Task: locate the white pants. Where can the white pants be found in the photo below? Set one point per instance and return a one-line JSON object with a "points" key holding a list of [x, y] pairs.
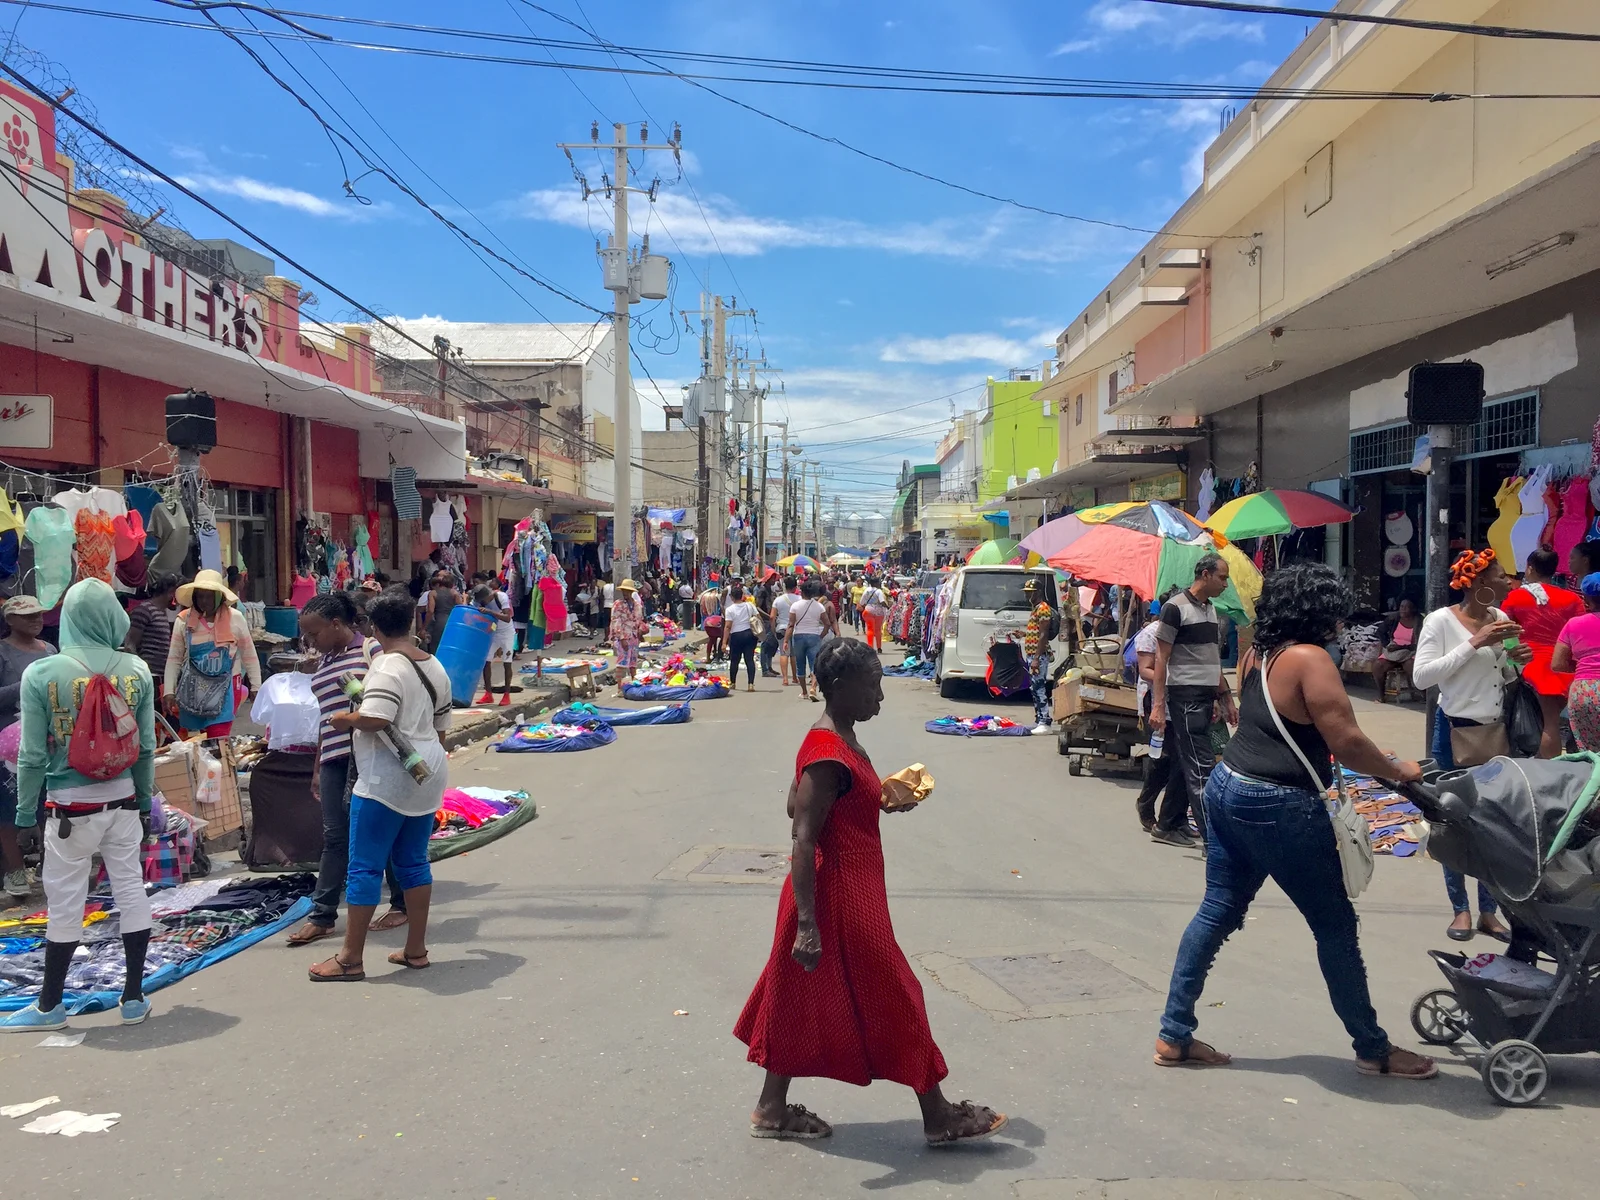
{"points": [[117, 835]]}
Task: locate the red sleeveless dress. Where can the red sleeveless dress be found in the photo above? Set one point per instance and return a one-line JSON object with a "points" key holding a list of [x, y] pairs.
{"points": [[860, 1015]]}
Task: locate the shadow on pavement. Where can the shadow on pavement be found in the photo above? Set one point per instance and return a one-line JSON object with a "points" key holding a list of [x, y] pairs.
{"points": [[166, 1027], [448, 891], [1457, 1090], [899, 1146], [454, 977]]}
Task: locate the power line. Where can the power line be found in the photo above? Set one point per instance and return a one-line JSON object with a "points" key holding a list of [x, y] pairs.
{"points": [[1357, 18], [305, 271]]}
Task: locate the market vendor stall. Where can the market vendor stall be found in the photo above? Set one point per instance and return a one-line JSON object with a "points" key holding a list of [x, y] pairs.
{"points": [[660, 714], [549, 738]]}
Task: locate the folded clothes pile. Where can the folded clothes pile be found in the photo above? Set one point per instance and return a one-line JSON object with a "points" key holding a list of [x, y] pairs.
{"points": [[985, 725], [196, 925], [914, 667], [658, 714]]}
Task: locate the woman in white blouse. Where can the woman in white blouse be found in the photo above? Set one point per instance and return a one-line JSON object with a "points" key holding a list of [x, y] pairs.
{"points": [[1462, 651]]}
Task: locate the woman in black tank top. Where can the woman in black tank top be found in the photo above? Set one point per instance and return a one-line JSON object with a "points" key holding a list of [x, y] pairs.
{"points": [[1266, 818]]}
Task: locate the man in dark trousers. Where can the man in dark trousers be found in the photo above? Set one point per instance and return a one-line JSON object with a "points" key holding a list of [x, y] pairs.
{"points": [[1187, 690]]}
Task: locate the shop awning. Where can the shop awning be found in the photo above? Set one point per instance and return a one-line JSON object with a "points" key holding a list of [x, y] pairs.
{"points": [[1529, 239], [74, 328], [546, 498], [1098, 470]]}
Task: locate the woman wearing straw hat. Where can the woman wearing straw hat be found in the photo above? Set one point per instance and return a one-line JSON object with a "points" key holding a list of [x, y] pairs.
{"points": [[210, 649], [627, 626]]}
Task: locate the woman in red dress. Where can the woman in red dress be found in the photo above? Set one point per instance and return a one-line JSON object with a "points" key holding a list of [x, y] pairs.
{"points": [[1542, 608], [837, 998]]}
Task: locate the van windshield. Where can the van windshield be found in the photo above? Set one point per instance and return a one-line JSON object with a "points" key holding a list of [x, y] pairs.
{"points": [[993, 591]]}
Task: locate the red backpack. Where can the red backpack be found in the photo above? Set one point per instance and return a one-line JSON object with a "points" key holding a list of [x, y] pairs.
{"points": [[105, 734]]}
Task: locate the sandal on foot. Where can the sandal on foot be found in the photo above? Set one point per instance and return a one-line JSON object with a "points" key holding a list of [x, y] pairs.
{"points": [[393, 919], [1420, 1067], [417, 962], [967, 1110], [308, 933], [1194, 1054], [348, 972], [799, 1124]]}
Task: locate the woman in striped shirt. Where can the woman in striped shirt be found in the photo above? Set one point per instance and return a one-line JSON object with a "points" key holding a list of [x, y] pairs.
{"points": [[328, 624]]}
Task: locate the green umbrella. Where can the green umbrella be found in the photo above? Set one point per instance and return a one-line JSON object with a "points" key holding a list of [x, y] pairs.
{"points": [[994, 553]]}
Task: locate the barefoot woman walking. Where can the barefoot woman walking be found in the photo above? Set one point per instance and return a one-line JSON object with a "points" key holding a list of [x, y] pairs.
{"points": [[837, 998]]}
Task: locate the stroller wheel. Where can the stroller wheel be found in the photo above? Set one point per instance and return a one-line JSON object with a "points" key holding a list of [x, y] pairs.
{"points": [[1437, 1017], [1515, 1072]]}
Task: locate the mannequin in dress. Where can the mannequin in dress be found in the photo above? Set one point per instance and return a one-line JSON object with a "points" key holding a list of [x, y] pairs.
{"points": [[1574, 519], [1499, 534], [1529, 525]]}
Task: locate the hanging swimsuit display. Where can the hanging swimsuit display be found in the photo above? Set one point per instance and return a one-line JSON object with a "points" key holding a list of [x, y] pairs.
{"points": [[132, 566], [50, 530], [1499, 535]]}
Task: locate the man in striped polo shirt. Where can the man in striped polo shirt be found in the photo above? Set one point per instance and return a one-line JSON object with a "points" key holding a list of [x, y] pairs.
{"points": [[1188, 688], [329, 623]]}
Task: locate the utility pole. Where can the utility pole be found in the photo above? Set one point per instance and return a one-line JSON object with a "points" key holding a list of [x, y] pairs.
{"points": [[627, 281]]}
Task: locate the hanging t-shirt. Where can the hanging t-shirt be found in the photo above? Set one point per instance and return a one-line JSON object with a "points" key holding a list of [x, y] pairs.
{"points": [[210, 541], [104, 499], [50, 530], [441, 521], [169, 525]]}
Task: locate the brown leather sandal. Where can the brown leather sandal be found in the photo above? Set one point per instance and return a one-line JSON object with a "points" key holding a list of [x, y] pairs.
{"points": [[1194, 1054]]}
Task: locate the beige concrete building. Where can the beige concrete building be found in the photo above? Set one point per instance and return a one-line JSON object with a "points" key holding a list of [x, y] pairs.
{"points": [[1333, 244]]}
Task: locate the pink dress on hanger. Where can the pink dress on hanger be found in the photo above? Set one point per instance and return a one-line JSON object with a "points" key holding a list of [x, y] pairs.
{"points": [[1574, 518]]}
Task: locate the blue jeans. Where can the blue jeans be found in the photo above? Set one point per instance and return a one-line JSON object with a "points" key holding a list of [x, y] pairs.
{"points": [[1040, 671], [379, 835], [334, 783], [1455, 883], [805, 650], [1255, 831]]}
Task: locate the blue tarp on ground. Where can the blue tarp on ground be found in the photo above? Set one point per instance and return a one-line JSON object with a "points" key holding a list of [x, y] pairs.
{"points": [[963, 727], [526, 741], [661, 714], [92, 1002], [912, 668], [666, 691]]}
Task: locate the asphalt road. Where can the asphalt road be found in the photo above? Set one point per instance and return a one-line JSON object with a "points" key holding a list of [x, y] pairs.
{"points": [[541, 1056]]}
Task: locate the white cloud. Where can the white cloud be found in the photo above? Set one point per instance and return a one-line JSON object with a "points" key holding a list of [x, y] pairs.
{"points": [[246, 188], [958, 348], [718, 224], [1168, 28], [1077, 46]]}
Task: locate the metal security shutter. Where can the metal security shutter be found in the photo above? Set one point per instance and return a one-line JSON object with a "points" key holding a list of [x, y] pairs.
{"points": [[1507, 425]]}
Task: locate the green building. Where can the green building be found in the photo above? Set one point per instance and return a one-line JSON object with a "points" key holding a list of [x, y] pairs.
{"points": [[1020, 433]]}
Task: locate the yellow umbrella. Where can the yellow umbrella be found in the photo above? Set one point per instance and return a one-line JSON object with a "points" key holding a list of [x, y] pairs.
{"points": [[1246, 579]]}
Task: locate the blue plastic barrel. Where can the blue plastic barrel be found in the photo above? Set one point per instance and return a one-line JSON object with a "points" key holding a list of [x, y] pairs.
{"points": [[464, 649], [283, 620]]}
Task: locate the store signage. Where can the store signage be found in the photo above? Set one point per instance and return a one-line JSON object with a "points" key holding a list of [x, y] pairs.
{"points": [[1158, 487], [42, 249], [573, 527], [25, 422]]}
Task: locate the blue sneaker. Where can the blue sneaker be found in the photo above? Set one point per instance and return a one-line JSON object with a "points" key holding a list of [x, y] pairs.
{"points": [[135, 1011], [31, 1020]]}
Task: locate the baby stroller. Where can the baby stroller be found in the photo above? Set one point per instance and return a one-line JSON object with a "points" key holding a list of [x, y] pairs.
{"points": [[1530, 830]]}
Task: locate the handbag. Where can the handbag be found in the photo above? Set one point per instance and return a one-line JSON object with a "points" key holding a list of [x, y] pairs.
{"points": [[1523, 719], [200, 692], [1352, 835], [1475, 744]]}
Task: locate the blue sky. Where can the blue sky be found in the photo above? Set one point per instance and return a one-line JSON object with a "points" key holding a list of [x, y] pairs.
{"points": [[877, 292]]}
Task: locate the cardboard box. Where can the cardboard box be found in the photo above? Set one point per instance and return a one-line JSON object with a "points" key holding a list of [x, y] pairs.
{"points": [[176, 782], [1118, 699], [1066, 701]]}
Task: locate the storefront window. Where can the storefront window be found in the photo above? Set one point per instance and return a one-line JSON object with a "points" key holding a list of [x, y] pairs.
{"points": [[245, 524]]}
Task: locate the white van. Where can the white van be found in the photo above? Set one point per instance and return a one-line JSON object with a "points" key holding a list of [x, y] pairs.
{"points": [[988, 601]]}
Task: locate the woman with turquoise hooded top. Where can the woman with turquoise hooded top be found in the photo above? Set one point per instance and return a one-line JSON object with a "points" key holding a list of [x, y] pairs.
{"points": [[84, 816]]}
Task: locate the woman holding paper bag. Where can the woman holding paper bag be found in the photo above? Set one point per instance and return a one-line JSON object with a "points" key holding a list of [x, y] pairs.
{"points": [[837, 998]]}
